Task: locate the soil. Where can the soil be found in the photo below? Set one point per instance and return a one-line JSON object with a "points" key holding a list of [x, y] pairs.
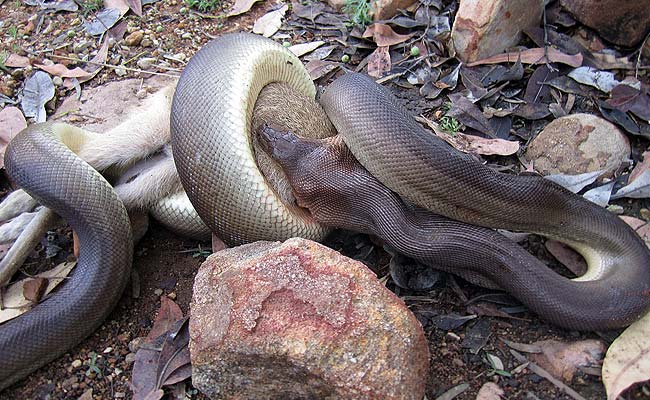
{"points": [[165, 265]]}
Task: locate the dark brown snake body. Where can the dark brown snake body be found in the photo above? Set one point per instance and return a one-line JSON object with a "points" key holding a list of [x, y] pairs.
{"points": [[212, 146]]}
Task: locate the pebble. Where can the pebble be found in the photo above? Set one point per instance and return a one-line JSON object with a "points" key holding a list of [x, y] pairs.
{"points": [[186, 35], [120, 71], [146, 62], [172, 295], [134, 38], [135, 344], [108, 350], [645, 213], [615, 208], [120, 395], [129, 359], [180, 56], [57, 80], [76, 363], [81, 46], [69, 382], [146, 42], [158, 292]]}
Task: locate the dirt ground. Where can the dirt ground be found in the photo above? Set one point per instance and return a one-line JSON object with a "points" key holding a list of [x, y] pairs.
{"points": [[165, 265]]}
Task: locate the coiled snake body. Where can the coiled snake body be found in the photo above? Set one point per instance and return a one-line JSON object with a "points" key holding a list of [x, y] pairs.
{"points": [[211, 114]]}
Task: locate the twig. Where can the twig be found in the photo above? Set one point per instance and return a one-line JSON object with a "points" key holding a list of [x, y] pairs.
{"points": [[637, 65], [534, 368], [17, 254], [113, 66]]}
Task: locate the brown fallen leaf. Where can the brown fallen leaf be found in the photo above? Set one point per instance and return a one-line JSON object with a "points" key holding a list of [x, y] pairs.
{"points": [[270, 22], [563, 360], [304, 48], [164, 359], [641, 167], [240, 7], [319, 68], [628, 359], [384, 35], [567, 256], [63, 71], [13, 298], [641, 227], [379, 62], [471, 143], [34, 289], [121, 5], [533, 56], [16, 61], [168, 314], [12, 121]]}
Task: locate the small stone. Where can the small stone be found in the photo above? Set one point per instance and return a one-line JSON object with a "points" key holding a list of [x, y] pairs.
{"points": [[134, 38], [120, 395], [129, 358], [645, 213], [483, 28], [158, 292], [186, 35], [159, 28], [172, 295], [179, 56], [76, 363], [146, 42], [576, 144], [616, 209], [118, 371], [66, 384], [146, 62], [141, 94], [57, 80], [120, 71], [81, 46], [135, 344], [182, 10], [107, 350]]}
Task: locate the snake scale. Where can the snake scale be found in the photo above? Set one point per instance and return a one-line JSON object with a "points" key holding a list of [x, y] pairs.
{"points": [[212, 145]]}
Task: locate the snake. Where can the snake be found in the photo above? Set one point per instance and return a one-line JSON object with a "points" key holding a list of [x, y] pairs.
{"points": [[382, 174]]}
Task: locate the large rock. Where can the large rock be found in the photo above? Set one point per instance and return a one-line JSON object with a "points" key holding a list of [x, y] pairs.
{"points": [[484, 28], [623, 22], [298, 320], [578, 143]]}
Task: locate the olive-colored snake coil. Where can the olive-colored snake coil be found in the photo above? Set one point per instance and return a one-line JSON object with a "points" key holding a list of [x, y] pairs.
{"points": [[212, 146]]}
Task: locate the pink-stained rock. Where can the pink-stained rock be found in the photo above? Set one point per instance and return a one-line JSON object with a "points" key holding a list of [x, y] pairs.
{"points": [[296, 319], [623, 22], [484, 28], [576, 144]]}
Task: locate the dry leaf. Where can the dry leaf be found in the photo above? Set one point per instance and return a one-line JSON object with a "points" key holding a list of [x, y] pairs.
{"points": [[628, 359], [270, 22], [575, 183], [641, 227], [384, 35], [533, 56], [379, 62], [240, 7], [63, 71], [15, 301], [641, 167], [16, 61], [168, 314], [120, 5], [471, 143], [562, 360], [317, 68], [304, 48], [637, 189], [489, 391], [12, 121], [567, 256], [34, 289], [38, 90]]}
